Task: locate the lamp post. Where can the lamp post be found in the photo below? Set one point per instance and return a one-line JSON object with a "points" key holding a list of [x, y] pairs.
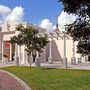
{"points": [[50, 38], [64, 58], [64, 37], [73, 59], [50, 58], [38, 58]]}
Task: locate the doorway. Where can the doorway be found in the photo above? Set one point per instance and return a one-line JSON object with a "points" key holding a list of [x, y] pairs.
{"points": [[6, 50]]}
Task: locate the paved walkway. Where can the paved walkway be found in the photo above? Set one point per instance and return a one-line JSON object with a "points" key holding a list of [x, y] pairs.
{"points": [[3, 64], [84, 65], [9, 83]]}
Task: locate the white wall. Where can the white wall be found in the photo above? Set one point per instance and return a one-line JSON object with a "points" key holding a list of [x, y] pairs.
{"points": [[69, 49], [7, 37]]}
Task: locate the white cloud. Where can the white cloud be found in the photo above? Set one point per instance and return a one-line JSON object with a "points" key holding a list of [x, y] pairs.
{"points": [[16, 15], [46, 24], [54, 27], [64, 19], [4, 10], [0, 20]]}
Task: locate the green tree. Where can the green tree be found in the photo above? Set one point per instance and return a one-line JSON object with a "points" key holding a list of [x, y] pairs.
{"points": [[80, 29], [29, 37]]}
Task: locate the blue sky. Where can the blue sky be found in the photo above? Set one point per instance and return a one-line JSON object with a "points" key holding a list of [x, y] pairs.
{"points": [[36, 10]]}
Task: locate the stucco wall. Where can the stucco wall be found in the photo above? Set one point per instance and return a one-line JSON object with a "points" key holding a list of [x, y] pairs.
{"points": [[57, 47]]}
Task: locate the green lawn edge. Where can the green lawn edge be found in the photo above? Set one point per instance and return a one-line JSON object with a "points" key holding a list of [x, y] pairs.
{"points": [[51, 78]]}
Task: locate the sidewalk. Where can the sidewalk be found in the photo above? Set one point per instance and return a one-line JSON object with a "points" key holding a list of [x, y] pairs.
{"points": [[10, 82], [3, 64], [84, 65]]}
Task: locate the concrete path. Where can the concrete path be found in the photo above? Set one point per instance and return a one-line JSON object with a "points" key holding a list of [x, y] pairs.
{"points": [[83, 66], [3, 64], [10, 82]]}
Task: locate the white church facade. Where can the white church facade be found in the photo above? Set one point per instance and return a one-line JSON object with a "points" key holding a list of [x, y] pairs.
{"points": [[57, 48]]}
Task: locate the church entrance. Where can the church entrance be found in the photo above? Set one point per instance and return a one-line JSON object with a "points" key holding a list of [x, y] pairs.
{"points": [[8, 50]]}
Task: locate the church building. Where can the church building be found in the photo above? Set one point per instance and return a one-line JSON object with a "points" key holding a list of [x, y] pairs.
{"points": [[60, 46]]}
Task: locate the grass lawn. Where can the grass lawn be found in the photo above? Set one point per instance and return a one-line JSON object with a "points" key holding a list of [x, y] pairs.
{"points": [[53, 79]]}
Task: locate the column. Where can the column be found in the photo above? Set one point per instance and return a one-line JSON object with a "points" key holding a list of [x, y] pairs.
{"points": [[38, 60], [37, 55], [26, 57], [50, 59], [15, 51], [65, 59], [23, 54], [10, 52], [2, 50], [20, 54], [73, 49], [26, 61], [16, 55], [73, 59]]}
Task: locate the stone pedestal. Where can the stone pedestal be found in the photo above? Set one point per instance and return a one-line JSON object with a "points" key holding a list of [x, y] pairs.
{"points": [[73, 60], [16, 59], [50, 60], [38, 61], [79, 60]]}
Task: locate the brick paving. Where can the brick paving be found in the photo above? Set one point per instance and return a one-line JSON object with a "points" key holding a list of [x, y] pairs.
{"points": [[9, 83]]}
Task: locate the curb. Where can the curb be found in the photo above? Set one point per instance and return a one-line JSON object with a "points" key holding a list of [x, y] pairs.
{"points": [[23, 84]]}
